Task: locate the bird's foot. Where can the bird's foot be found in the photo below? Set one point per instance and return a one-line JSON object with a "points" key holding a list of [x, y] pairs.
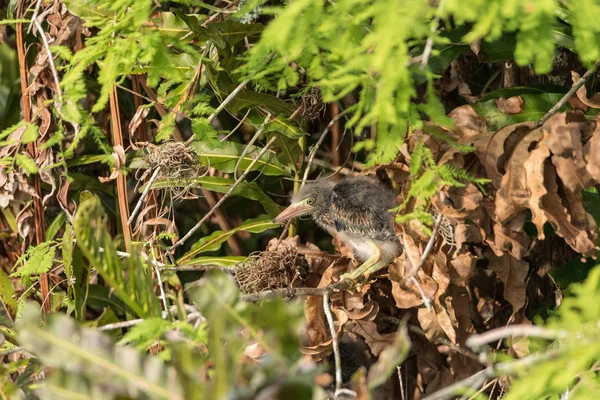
{"points": [[359, 281]]}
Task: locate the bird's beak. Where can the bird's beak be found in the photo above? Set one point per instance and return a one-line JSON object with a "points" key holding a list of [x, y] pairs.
{"points": [[293, 211]]}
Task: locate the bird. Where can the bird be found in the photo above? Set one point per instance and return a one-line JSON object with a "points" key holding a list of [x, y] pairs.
{"points": [[357, 210]]}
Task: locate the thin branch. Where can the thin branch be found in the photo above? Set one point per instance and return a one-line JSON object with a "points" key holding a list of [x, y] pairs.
{"points": [[477, 380], [426, 300], [163, 296], [319, 143], [143, 196], [576, 86], [296, 292], [36, 11], [477, 341], [39, 28], [433, 27], [336, 345], [229, 192], [429, 246], [121, 324], [8, 352], [228, 100], [196, 268]]}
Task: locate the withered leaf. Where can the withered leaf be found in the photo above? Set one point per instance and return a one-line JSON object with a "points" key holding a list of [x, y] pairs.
{"points": [[468, 123], [594, 102], [510, 106], [512, 273]]}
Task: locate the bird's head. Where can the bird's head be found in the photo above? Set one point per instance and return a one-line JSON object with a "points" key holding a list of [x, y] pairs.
{"points": [[311, 199]]}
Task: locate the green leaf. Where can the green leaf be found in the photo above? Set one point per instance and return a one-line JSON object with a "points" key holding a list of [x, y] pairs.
{"points": [[85, 362], [285, 127], [250, 99], [7, 292], [144, 334], [249, 190], [26, 163], [92, 236], [533, 109], [223, 261], [213, 242], [38, 260], [225, 157]]}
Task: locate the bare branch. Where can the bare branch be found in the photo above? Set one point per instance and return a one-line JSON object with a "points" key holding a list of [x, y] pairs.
{"points": [[229, 192], [429, 246], [319, 143], [477, 380], [296, 292], [477, 341], [143, 196], [433, 27], [576, 86], [336, 346], [59, 99]]}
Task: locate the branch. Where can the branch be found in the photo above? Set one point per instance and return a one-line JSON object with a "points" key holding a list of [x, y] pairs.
{"points": [[477, 341], [502, 369], [229, 192], [429, 246], [318, 144], [576, 86], [143, 196], [296, 292], [336, 345], [429, 44]]}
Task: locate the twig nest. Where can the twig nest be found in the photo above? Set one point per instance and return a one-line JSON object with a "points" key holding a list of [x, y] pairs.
{"points": [[312, 104], [276, 268], [177, 162]]}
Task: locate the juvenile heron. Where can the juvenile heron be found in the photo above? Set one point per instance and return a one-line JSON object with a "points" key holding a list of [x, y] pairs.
{"points": [[356, 209]]}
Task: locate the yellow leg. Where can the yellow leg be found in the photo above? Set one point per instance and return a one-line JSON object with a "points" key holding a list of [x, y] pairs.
{"points": [[369, 267]]}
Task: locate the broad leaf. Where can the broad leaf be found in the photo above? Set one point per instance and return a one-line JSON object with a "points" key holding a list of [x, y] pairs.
{"points": [[225, 157], [249, 190], [213, 242], [97, 245]]}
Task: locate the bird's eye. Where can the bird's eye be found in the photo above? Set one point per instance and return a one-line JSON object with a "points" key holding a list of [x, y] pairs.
{"points": [[310, 201]]}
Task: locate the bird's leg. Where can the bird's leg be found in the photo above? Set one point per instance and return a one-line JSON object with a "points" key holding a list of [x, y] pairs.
{"points": [[366, 269]]}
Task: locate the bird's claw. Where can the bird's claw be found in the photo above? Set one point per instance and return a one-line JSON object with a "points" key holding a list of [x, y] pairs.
{"points": [[358, 281]]}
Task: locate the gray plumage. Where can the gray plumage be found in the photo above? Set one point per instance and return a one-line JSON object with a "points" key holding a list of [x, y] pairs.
{"points": [[357, 210]]}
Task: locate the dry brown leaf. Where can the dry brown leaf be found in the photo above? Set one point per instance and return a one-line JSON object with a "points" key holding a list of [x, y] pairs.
{"points": [[594, 102], [513, 196], [493, 149], [468, 123], [368, 330], [138, 117], [461, 268], [67, 204], [510, 106], [512, 273], [458, 202], [118, 157]]}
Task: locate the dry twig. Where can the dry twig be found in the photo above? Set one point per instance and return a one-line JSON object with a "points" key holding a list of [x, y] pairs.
{"points": [[335, 344], [477, 341], [319, 143], [297, 292], [229, 192], [576, 86]]}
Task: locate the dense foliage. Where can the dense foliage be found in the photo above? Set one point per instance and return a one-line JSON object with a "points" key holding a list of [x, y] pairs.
{"points": [[147, 145]]}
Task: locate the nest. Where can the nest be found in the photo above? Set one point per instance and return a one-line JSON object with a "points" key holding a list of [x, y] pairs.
{"points": [[178, 163], [283, 267], [312, 104]]}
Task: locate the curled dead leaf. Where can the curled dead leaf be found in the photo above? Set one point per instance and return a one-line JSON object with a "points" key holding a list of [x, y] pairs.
{"points": [[510, 106]]}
